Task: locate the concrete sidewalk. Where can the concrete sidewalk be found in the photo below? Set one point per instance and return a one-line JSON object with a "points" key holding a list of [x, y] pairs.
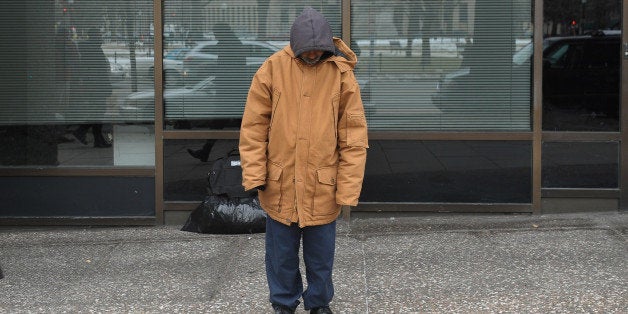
{"points": [[425, 263]]}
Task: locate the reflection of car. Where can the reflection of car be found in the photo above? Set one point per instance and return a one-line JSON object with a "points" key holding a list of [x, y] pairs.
{"points": [[176, 54], [580, 75], [197, 102], [144, 65], [173, 60], [198, 63]]}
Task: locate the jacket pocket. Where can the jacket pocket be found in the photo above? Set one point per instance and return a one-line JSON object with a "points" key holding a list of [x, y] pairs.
{"points": [[325, 193], [356, 130], [271, 196]]}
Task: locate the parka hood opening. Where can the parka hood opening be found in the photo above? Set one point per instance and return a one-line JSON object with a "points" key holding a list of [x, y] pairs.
{"points": [[311, 31]]}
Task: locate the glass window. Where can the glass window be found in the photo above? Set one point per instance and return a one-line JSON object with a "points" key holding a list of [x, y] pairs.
{"points": [[580, 165], [444, 65], [73, 63], [448, 171], [581, 68], [224, 43]]}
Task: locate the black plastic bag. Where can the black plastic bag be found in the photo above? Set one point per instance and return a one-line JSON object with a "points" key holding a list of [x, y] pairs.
{"points": [[219, 214]]}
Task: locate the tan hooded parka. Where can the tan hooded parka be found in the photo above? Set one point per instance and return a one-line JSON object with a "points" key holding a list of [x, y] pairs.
{"points": [[304, 133]]}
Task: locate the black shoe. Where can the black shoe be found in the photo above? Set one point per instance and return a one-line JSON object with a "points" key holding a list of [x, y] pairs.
{"points": [[321, 310], [198, 154], [280, 309]]}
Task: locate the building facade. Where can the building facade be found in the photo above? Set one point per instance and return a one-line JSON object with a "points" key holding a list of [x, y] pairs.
{"points": [[113, 111]]}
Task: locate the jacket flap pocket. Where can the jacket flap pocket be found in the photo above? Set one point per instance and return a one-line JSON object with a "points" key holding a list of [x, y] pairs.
{"points": [[274, 172], [357, 132], [327, 175]]}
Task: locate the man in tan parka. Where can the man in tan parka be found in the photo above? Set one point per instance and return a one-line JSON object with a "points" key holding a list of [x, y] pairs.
{"points": [[303, 146]]}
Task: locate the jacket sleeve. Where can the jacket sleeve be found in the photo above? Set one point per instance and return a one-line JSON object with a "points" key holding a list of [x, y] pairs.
{"points": [[254, 130], [352, 141]]}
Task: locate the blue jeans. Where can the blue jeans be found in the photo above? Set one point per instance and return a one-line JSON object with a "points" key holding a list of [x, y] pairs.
{"points": [[282, 263]]}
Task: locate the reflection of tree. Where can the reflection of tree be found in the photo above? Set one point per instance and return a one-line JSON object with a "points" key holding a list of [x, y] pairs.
{"points": [[407, 18], [412, 18], [489, 58], [428, 31], [121, 20], [262, 12], [560, 12]]}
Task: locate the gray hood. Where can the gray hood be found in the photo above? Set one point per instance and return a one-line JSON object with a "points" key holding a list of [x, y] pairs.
{"points": [[311, 31]]}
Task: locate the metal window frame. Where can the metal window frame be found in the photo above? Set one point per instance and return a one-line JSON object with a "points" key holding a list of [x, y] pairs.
{"points": [[623, 149]]}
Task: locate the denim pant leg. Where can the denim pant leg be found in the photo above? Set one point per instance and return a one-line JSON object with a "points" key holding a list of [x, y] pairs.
{"points": [[282, 263], [319, 244]]}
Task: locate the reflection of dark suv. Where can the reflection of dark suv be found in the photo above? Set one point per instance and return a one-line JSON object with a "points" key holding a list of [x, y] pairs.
{"points": [[581, 82]]}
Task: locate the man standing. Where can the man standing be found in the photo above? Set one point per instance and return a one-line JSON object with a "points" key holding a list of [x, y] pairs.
{"points": [[303, 146]]}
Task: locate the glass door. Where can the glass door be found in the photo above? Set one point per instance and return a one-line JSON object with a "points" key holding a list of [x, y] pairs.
{"points": [[581, 74]]}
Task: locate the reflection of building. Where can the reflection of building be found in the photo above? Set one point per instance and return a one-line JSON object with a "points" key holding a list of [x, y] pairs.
{"points": [[252, 20], [402, 19], [241, 15], [282, 13], [462, 16]]}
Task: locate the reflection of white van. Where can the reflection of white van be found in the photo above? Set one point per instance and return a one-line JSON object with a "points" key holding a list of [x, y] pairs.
{"points": [[144, 67], [198, 63]]}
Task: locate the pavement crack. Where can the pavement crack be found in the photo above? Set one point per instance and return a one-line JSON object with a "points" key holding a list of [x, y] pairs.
{"points": [[364, 276]]}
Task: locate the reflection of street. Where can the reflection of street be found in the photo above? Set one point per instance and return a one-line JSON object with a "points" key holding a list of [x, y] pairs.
{"points": [[402, 103], [185, 177], [75, 154], [447, 171]]}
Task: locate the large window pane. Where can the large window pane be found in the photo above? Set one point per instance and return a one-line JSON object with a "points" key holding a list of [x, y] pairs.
{"points": [[581, 65], [212, 50], [444, 65], [448, 171], [72, 63]]}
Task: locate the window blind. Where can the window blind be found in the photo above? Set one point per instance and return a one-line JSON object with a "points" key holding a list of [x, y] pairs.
{"points": [[76, 59], [444, 65]]}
